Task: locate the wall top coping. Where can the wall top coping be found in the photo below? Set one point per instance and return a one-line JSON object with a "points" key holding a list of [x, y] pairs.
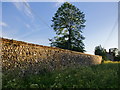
{"points": [[5, 40]]}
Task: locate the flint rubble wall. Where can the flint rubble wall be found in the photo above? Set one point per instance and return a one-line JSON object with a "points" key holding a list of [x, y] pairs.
{"points": [[35, 57]]}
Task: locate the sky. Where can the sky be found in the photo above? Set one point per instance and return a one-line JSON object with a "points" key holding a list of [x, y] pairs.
{"points": [[31, 22]]}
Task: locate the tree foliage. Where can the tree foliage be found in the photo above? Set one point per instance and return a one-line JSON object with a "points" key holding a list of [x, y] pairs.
{"points": [[68, 23], [99, 50]]}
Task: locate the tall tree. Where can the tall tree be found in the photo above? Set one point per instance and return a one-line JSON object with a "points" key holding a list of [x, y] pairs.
{"points": [[68, 23], [99, 50]]}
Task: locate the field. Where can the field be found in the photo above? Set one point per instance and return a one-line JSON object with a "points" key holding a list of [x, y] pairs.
{"points": [[105, 75]]}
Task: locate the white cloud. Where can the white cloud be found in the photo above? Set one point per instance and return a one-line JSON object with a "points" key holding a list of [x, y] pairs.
{"points": [[59, 2], [24, 7], [27, 25], [3, 24]]}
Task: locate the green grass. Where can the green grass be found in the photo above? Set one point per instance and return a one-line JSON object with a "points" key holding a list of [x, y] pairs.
{"points": [[105, 75]]}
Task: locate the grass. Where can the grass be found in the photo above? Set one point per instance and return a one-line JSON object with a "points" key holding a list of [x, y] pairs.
{"points": [[105, 75], [112, 62]]}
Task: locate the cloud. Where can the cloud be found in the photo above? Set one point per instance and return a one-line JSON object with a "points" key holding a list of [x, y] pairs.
{"points": [[59, 2], [27, 25], [24, 7], [3, 24]]}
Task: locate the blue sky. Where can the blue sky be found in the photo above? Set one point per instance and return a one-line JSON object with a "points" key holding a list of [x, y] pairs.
{"points": [[31, 22]]}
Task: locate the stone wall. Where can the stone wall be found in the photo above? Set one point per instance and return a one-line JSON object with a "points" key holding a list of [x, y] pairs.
{"points": [[18, 54]]}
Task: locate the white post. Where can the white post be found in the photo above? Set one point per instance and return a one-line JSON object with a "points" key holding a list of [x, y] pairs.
{"points": [[119, 25]]}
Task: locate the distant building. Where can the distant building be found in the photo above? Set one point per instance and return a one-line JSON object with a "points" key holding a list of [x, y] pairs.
{"points": [[113, 52]]}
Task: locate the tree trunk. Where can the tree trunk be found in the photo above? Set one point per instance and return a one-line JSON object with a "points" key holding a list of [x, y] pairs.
{"points": [[69, 39]]}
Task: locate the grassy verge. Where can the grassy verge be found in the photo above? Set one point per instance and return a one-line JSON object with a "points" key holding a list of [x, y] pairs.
{"points": [[105, 75]]}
